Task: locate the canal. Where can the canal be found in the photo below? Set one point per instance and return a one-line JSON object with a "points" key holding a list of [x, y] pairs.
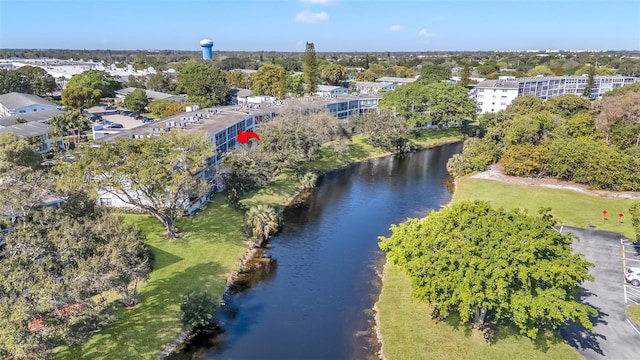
{"points": [[316, 300]]}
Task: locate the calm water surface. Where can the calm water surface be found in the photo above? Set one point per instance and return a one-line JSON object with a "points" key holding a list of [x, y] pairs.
{"points": [[316, 302]]}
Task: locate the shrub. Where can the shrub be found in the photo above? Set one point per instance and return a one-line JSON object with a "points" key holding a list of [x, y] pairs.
{"points": [[308, 180], [525, 160], [476, 155], [198, 308]]}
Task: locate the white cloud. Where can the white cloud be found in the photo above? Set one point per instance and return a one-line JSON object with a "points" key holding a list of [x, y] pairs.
{"points": [[310, 17], [396, 27], [426, 34], [319, 2]]}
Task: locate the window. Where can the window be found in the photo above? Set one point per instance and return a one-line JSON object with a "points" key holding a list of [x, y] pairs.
{"points": [[493, 97], [480, 97], [106, 202], [481, 90], [503, 103], [503, 97], [480, 103], [504, 90]]}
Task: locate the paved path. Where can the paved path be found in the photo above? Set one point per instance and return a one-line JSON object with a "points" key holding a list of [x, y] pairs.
{"points": [[614, 337]]}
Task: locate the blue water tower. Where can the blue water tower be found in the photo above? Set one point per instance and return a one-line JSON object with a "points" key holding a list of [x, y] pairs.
{"points": [[206, 49]]}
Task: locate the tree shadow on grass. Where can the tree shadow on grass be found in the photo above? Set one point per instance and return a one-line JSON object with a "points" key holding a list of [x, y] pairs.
{"points": [[580, 338], [142, 332], [162, 258]]}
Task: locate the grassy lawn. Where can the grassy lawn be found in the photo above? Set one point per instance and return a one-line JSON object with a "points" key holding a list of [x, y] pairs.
{"points": [[569, 207], [409, 332], [202, 260], [422, 138], [633, 312]]}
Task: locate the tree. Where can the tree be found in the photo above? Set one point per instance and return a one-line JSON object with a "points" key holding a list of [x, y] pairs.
{"points": [[310, 68], [239, 79], [164, 108], [366, 75], [97, 80], [434, 74], [198, 309], [401, 71], [56, 270], [67, 126], [465, 76], [12, 81], [567, 105], [39, 81], [588, 90], [162, 82], [540, 70], [270, 80], [525, 160], [244, 169], [204, 83], [333, 74], [383, 130], [136, 100], [490, 264], [476, 155], [295, 84], [261, 221], [623, 108], [160, 176], [448, 103], [137, 81], [80, 97], [16, 152]]}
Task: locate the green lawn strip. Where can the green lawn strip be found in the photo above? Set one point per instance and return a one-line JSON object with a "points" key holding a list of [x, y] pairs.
{"points": [[569, 207], [429, 138], [409, 333], [210, 250], [633, 312]]}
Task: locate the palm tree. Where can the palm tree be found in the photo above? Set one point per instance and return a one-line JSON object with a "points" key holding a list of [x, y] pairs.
{"points": [[63, 123], [261, 222]]}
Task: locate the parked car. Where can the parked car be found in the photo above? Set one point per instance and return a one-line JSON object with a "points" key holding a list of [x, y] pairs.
{"points": [[147, 120], [127, 113], [632, 274], [109, 107], [113, 125], [139, 117]]}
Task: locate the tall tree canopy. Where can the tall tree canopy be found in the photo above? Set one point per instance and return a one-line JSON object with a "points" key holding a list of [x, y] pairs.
{"points": [[97, 80], [39, 81], [80, 97], [310, 68], [136, 100], [204, 83], [56, 269], [333, 74], [492, 264], [160, 176], [270, 80], [162, 82]]}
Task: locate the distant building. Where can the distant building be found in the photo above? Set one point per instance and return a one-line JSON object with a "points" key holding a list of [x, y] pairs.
{"points": [[331, 91], [18, 103], [151, 95], [239, 96], [371, 87], [495, 95], [396, 80]]}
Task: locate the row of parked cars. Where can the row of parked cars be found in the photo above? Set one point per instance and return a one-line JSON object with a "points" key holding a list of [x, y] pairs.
{"points": [[135, 115]]}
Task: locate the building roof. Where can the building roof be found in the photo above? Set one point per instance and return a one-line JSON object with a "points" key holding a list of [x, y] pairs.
{"points": [[36, 116], [27, 129], [152, 95], [372, 84], [240, 92], [16, 100], [392, 79], [329, 87], [498, 84]]}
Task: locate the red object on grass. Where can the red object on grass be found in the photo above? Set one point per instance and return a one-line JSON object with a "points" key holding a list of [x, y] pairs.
{"points": [[620, 215], [604, 212]]}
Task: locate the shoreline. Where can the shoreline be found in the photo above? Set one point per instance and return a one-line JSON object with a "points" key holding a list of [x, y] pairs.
{"points": [[251, 250]]}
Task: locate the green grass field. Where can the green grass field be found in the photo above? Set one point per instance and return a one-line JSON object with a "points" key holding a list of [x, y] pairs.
{"points": [[208, 253], [568, 207], [210, 250], [633, 312], [409, 333]]}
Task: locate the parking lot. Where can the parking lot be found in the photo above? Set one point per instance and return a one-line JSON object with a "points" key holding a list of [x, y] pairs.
{"points": [[631, 257], [126, 121], [614, 336]]}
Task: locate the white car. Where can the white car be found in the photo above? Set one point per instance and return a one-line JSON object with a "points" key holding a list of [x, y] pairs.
{"points": [[632, 274]]}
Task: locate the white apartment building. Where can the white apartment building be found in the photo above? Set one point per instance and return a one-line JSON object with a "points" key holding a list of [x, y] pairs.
{"points": [[495, 95]]}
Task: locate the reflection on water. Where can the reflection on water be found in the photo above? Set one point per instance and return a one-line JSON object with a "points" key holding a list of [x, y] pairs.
{"points": [[317, 305]]}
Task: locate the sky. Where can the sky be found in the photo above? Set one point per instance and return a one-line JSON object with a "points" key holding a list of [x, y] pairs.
{"points": [[332, 25]]}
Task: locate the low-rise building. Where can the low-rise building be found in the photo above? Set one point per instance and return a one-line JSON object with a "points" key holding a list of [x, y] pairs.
{"points": [[372, 87], [330, 91], [19, 103], [396, 80]]}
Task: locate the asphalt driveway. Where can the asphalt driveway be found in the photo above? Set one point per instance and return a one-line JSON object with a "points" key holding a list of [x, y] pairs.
{"points": [[613, 337]]}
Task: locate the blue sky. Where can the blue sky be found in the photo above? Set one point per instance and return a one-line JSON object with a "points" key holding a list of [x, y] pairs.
{"points": [[333, 25]]}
